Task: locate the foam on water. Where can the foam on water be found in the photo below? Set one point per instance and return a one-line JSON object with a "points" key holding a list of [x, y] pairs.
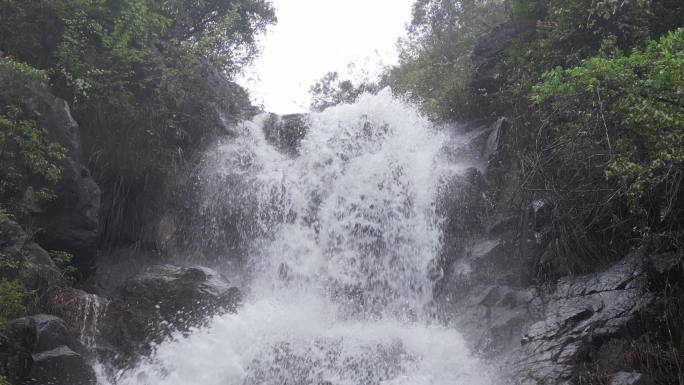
{"points": [[341, 242]]}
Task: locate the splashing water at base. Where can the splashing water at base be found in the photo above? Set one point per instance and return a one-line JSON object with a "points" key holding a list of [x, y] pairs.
{"points": [[341, 239]]}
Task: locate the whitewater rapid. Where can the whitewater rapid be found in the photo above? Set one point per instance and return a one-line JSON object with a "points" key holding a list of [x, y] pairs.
{"points": [[342, 244]]}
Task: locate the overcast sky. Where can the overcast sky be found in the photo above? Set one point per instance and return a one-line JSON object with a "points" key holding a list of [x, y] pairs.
{"points": [[313, 37]]}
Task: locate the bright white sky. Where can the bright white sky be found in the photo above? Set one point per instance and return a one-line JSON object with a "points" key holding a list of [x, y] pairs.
{"points": [[313, 37]]}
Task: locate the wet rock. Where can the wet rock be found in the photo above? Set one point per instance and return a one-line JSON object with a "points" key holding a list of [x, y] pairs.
{"points": [[492, 317], [40, 350], [502, 223], [286, 132], [630, 378], [69, 222], [550, 335], [42, 332], [461, 201], [59, 366], [118, 265], [81, 311], [579, 316], [502, 160], [150, 306], [484, 262]]}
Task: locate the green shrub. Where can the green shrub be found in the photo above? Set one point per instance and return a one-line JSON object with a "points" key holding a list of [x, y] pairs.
{"points": [[627, 114], [12, 68], [11, 300], [64, 261], [29, 163], [8, 263]]}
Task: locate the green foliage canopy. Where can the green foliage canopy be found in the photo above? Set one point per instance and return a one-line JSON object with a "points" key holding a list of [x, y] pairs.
{"points": [[11, 300], [435, 64], [636, 104]]}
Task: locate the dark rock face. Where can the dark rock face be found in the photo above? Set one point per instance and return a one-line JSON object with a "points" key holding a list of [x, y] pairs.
{"points": [[160, 300], [70, 221], [487, 55], [165, 211], [15, 243], [548, 336], [486, 58], [34, 267], [40, 350], [485, 287], [461, 200]]}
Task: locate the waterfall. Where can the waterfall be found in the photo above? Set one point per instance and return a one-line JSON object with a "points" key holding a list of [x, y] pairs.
{"points": [[341, 243]]}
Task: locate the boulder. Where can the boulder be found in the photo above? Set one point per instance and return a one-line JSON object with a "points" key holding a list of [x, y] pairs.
{"points": [[59, 366], [40, 350], [25, 261], [70, 221], [162, 299], [81, 311]]}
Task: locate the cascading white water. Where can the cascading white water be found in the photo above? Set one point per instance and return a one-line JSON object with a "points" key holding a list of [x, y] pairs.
{"points": [[90, 307], [342, 240]]}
